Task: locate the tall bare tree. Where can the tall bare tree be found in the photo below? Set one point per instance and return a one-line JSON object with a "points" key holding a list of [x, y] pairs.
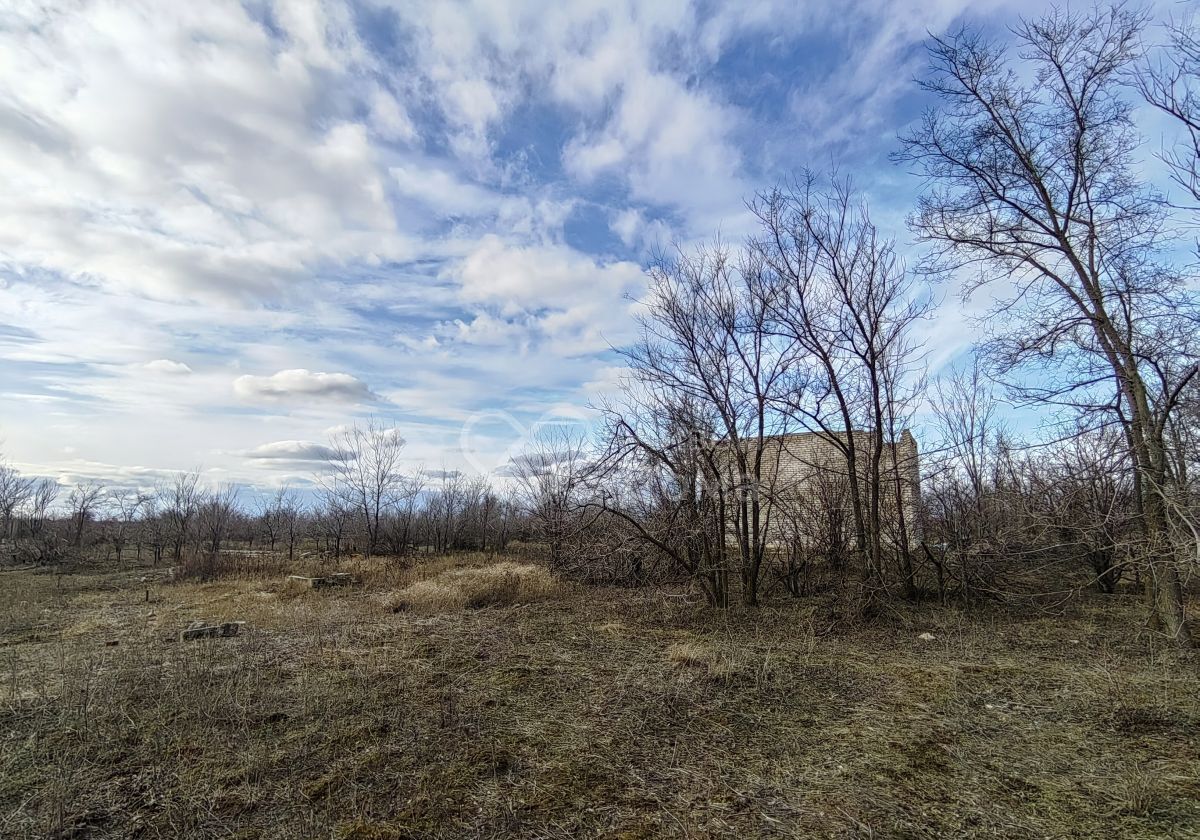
{"points": [[1033, 185], [706, 344], [842, 299]]}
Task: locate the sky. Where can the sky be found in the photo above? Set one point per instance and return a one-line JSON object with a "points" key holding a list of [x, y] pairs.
{"points": [[227, 229]]}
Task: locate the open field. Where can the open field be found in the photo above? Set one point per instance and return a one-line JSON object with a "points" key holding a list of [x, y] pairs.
{"points": [[455, 701]]}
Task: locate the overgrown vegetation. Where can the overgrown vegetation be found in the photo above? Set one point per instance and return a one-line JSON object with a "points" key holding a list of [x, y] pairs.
{"points": [[747, 607], [473, 588], [577, 712]]}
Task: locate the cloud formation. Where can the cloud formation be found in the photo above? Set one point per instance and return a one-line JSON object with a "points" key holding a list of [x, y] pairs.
{"points": [[167, 366], [304, 384], [451, 202], [293, 450]]}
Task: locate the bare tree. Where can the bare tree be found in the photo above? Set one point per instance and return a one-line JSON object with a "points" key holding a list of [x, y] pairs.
{"points": [[411, 490], [215, 515], [124, 507], [178, 502], [499, 525], [842, 299], [367, 475], [706, 345], [332, 519], [965, 419], [44, 492], [271, 514], [83, 502], [293, 520], [661, 478], [155, 527], [1033, 184], [962, 498], [551, 476], [1080, 496], [1172, 84], [814, 527], [15, 489]]}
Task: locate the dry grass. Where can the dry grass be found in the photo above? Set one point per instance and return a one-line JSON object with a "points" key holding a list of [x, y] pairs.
{"points": [[498, 585], [690, 653], [597, 713], [719, 661]]}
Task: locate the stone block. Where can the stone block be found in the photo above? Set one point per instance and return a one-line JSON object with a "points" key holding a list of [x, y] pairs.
{"points": [[203, 630]]}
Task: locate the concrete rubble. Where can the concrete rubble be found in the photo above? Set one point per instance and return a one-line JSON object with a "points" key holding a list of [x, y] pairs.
{"points": [[204, 630]]}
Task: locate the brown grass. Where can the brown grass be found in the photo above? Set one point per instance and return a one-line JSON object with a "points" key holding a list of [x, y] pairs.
{"points": [[592, 713], [690, 653], [498, 585]]}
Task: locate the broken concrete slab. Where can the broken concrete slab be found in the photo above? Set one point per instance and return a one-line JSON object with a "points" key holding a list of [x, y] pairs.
{"points": [[203, 630]]}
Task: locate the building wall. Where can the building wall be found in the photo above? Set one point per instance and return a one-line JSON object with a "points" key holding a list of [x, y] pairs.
{"points": [[800, 467]]}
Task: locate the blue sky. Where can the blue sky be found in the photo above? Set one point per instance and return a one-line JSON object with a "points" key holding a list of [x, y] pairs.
{"points": [[228, 228]]}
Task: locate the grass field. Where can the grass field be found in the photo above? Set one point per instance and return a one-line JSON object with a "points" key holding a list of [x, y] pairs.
{"points": [[457, 699]]}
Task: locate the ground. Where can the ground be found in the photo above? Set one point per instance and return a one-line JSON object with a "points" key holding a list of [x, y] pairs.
{"points": [[449, 701]]}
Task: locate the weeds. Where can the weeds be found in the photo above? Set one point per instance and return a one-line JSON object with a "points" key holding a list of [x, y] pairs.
{"points": [[1138, 791], [595, 712]]}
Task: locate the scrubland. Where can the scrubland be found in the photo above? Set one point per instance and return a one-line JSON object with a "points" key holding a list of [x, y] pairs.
{"points": [[465, 697]]}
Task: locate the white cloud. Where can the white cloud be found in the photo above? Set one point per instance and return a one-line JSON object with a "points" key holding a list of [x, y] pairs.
{"points": [[443, 191], [389, 118], [627, 224], [549, 298], [256, 188], [167, 366], [292, 450], [301, 384], [517, 278], [673, 145], [183, 154]]}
